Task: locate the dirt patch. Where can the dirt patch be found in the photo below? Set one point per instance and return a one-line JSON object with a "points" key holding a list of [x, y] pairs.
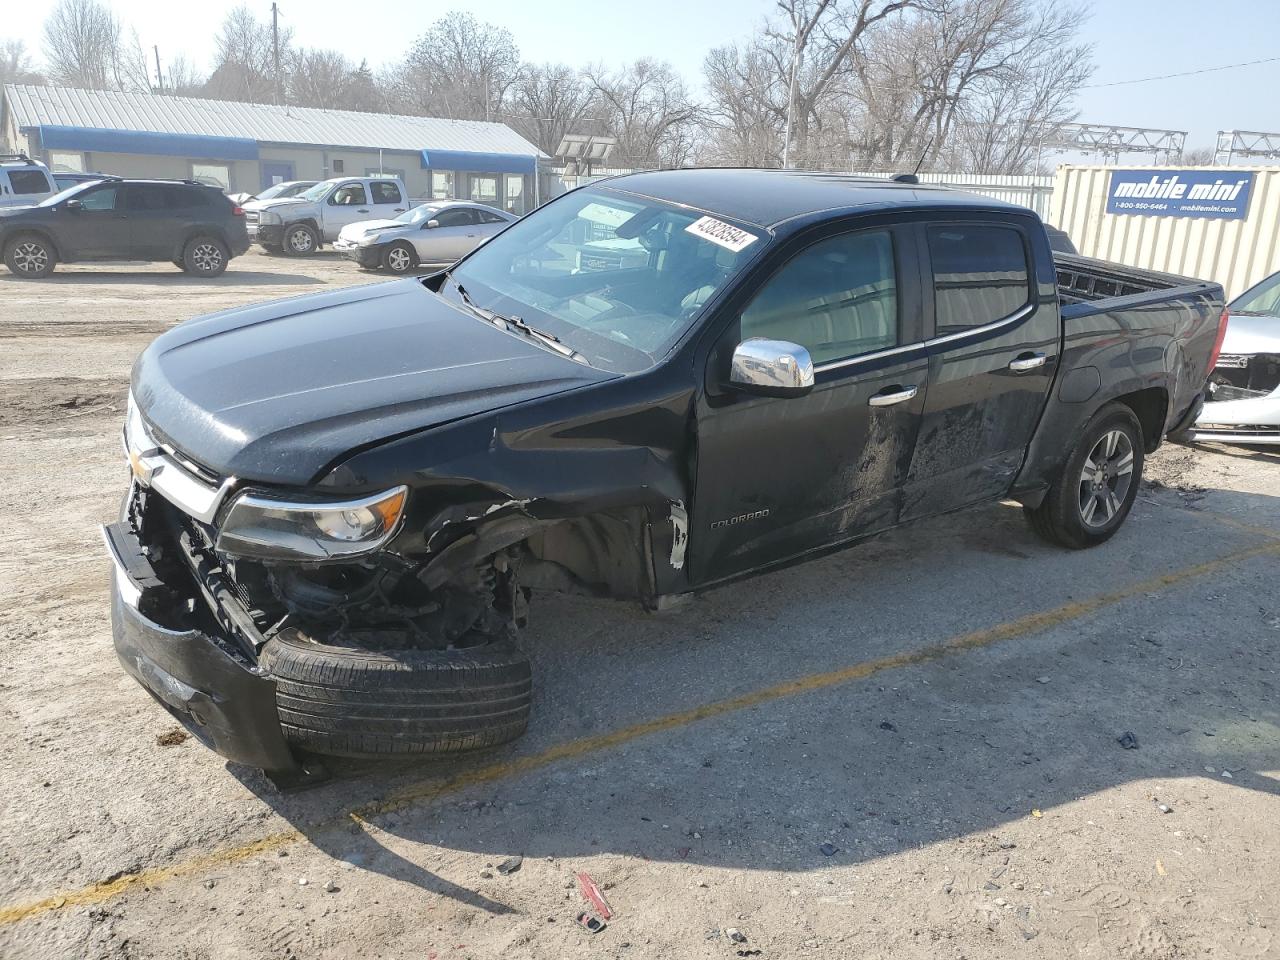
{"points": [[59, 402], [173, 738]]}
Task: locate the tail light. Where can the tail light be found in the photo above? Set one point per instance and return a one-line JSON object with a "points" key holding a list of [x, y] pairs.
{"points": [[1217, 343], [239, 212]]}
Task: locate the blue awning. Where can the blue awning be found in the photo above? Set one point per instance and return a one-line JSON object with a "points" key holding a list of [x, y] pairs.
{"points": [[104, 140], [479, 162]]}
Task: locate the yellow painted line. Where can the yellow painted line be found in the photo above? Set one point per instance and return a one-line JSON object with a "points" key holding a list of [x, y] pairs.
{"points": [[573, 749]]}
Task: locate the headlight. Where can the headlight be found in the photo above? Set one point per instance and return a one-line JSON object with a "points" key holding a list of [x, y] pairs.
{"points": [[369, 238], [266, 216], [258, 526]]}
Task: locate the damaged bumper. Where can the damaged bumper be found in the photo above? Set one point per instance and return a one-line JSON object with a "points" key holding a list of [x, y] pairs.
{"points": [[1243, 402], [189, 665]]}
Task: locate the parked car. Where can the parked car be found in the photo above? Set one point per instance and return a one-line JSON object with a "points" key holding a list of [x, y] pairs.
{"points": [[297, 226], [340, 502], [192, 225], [65, 180], [435, 233], [23, 181], [1244, 389], [277, 191]]}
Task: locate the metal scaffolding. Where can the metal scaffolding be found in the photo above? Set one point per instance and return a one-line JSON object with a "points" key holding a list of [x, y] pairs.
{"points": [[1234, 144], [1111, 141]]}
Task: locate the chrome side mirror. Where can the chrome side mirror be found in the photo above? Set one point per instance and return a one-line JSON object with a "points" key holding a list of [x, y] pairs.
{"points": [[771, 368], [432, 224]]}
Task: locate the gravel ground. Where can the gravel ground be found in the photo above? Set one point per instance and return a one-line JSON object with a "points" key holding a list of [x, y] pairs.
{"points": [[906, 750]]}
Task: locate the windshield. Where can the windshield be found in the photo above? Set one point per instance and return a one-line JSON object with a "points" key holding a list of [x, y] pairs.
{"points": [[618, 278], [317, 192], [278, 190], [417, 215], [1263, 298]]}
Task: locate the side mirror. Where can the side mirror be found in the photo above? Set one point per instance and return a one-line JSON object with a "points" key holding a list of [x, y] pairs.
{"points": [[73, 206], [432, 224], [771, 368]]}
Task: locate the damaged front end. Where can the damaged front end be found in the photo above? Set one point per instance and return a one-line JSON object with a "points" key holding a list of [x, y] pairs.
{"points": [[1242, 403]]}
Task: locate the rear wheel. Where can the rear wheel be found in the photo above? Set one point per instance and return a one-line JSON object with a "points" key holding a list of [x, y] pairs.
{"points": [[1091, 498], [358, 702], [300, 240], [400, 257], [30, 256], [205, 256]]}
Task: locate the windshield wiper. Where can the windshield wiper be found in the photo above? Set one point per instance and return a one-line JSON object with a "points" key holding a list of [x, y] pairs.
{"points": [[516, 323]]}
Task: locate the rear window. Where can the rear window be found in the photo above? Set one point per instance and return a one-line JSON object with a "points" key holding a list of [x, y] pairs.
{"points": [[384, 191], [28, 181], [980, 275]]}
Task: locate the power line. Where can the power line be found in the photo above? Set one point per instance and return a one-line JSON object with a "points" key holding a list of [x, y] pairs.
{"points": [[1188, 73]]}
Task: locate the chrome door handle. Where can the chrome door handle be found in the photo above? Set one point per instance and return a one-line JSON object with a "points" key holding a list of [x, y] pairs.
{"points": [[889, 399], [1023, 364]]}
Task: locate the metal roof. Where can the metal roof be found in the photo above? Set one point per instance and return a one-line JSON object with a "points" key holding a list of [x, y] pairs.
{"points": [[153, 113]]}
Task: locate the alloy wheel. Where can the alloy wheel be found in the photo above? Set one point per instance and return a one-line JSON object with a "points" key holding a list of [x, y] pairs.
{"points": [[30, 257], [300, 241], [1105, 478], [398, 259], [206, 257]]}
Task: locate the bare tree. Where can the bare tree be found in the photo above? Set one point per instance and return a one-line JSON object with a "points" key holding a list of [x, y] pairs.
{"points": [[647, 106], [82, 45], [460, 68], [16, 65], [746, 106], [244, 62], [182, 78], [548, 101], [319, 78]]}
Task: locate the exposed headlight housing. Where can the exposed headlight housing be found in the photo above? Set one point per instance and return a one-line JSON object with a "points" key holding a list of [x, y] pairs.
{"points": [[269, 529], [266, 216], [138, 445], [369, 238]]}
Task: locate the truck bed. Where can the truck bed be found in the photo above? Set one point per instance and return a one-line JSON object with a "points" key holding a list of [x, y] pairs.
{"points": [[1087, 286]]}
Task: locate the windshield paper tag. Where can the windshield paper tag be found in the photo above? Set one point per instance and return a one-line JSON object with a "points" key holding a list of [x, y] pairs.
{"points": [[717, 231]]}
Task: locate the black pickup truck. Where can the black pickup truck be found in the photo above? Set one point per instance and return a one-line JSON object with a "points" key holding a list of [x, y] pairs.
{"points": [[341, 504]]}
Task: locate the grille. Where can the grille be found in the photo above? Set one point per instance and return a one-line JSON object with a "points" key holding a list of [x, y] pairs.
{"points": [[1259, 373]]}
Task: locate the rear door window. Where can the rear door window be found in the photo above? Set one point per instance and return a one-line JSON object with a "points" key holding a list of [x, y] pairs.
{"points": [[980, 275], [145, 198], [458, 217], [29, 181], [384, 191]]}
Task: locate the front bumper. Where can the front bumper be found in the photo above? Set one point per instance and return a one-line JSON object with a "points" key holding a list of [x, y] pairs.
{"points": [[267, 234], [367, 256], [1238, 418], [190, 666]]}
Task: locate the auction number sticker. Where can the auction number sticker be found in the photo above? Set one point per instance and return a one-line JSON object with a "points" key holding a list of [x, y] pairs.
{"points": [[717, 231]]}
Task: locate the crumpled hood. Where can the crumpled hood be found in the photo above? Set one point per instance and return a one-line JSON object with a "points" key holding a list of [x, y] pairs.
{"points": [[1250, 335], [360, 228], [277, 205], [278, 392]]}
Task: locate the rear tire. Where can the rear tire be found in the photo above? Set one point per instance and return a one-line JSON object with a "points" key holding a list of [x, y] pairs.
{"points": [[300, 240], [1092, 497], [400, 257], [30, 256], [205, 256], [356, 702]]}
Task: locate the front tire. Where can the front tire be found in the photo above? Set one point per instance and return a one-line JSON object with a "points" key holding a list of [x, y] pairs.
{"points": [[205, 256], [400, 257], [300, 240], [353, 701], [30, 256], [1093, 495]]}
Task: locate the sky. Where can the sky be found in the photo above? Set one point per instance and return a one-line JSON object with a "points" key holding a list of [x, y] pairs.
{"points": [[1133, 39]]}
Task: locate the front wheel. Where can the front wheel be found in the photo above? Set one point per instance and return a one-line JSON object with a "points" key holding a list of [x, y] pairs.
{"points": [[1091, 498], [205, 257], [300, 240], [400, 257], [30, 256]]}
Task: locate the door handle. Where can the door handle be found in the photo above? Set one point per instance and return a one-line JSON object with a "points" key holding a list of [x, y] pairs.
{"points": [[1028, 361], [898, 395], [399, 209], [362, 211]]}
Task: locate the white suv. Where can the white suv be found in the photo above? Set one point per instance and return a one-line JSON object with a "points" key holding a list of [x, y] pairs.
{"points": [[23, 181]]}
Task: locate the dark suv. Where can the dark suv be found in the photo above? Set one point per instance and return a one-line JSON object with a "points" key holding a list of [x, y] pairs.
{"points": [[193, 226]]}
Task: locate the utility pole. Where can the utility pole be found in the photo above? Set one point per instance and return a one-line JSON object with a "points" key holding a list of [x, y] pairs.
{"points": [[275, 46], [159, 75], [791, 100]]}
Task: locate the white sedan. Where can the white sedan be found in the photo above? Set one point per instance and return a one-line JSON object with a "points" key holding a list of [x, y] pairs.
{"points": [[1243, 405], [435, 233]]}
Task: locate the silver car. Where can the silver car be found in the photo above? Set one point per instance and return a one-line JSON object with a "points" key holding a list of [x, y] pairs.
{"points": [[434, 233]]}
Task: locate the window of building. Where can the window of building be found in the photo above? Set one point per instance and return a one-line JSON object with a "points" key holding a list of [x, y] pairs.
{"points": [[980, 275], [29, 181], [212, 175], [441, 184], [484, 189], [837, 298], [514, 202], [339, 166], [66, 161], [385, 191]]}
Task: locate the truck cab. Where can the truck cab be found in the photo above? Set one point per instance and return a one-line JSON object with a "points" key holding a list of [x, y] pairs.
{"points": [[298, 226], [23, 181]]}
